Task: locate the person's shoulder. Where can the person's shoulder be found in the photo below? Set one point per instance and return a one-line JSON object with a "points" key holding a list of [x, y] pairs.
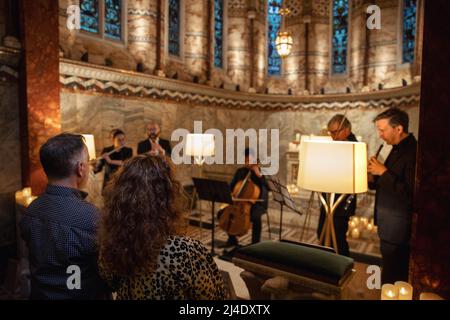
{"points": [[142, 142], [185, 242]]}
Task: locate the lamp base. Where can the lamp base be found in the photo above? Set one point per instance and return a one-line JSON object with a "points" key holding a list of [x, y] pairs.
{"points": [[328, 231]]}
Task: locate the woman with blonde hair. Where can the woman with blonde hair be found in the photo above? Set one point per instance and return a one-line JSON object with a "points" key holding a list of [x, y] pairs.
{"points": [[142, 256]]}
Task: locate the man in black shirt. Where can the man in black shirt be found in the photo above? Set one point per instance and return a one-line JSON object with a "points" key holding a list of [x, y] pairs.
{"points": [[394, 185], [260, 207], [154, 144], [340, 129], [59, 227]]}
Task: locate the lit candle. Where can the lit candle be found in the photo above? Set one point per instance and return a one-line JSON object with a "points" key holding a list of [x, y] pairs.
{"points": [[352, 224], [26, 192], [297, 137], [405, 290], [356, 220], [389, 292], [429, 296], [364, 221], [355, 233], [29, 200], [369, 227]]}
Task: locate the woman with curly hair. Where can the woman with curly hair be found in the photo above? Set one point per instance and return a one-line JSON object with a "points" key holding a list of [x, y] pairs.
{"points": [[142, 256]]}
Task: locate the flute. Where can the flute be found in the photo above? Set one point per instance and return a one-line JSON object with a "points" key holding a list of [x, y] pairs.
{"points": [[378, 151], [109, 153]]}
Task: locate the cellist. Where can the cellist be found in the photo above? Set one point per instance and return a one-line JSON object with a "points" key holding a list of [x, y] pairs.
{"points": [[260, 207]]}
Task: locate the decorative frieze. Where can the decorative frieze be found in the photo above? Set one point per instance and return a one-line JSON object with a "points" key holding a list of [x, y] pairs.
{"points": [[84, 76]]}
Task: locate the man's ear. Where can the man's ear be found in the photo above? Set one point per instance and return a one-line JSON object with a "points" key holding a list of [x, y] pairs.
{"points": [[79, 168]]}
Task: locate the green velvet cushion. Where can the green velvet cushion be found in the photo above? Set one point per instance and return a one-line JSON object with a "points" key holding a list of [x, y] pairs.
{"points": [[295, 258]]}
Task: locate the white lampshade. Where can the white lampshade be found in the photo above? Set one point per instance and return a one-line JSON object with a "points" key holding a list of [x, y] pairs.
{"points": [[333, 166], [309, 137], [200, 145], [90, 144]]}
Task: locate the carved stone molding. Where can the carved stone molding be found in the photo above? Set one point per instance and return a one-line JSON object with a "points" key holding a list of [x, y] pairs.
{"points": [[107, 80]]}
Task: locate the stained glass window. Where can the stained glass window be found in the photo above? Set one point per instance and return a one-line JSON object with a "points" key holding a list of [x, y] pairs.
{"points": [[113, 14], [274, 23], [174, 27], [89, 15], [218, 33], [340, 36], [409, 30]]}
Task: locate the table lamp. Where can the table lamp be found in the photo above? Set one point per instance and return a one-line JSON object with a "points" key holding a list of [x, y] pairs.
{"points": [[90, 144], [200, 146], [332, 167]]}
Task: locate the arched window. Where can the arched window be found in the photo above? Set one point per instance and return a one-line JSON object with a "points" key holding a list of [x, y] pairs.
{"points": [[273, 25], [174, 27], [339, 36], [113, 19], [409, 30], [102, 17], [218, 32], [89, 11]]}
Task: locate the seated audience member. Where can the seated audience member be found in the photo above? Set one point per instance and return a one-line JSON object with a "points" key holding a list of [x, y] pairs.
{"points": [[59, 227], [142, 255], [114, 156]]}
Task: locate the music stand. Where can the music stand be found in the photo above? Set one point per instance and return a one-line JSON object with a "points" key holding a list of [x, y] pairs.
{"points": [[282, 196], [214, 191]]}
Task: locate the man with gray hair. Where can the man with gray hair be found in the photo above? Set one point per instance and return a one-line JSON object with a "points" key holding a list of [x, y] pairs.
{"points": [[59, 227]]}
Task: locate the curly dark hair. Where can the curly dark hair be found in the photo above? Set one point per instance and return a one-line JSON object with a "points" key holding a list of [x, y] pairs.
{"points": [[143, 206]]}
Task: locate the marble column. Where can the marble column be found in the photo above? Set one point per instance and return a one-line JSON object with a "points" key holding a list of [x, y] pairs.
{"points": [[159, 48], [40, 109], [320, 45], [237, 50], [142, 27], [196, 33], [430, 257], [209, 40], [251, 17]]}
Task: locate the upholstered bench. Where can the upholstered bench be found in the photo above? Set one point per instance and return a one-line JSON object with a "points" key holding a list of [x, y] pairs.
{"points": [[286, 270]]}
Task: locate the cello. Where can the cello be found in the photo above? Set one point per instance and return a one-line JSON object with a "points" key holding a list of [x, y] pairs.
{"points": [[235, 218]]}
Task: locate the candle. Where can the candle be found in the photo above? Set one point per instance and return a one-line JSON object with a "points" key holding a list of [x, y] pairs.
{"points": [[389, 292], [369, 227], [429, 296], [297, 137], [29, 200], [352, 224], [364, 221], [405, 290], [356, 220], [355, 233], [26, 192]]}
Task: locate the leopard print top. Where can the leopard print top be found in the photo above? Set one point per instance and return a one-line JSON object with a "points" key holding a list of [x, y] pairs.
{"points": [[185, 270]]}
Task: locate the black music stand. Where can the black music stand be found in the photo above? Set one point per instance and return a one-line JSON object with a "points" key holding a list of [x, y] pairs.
{"points": [[282, 196], [214, 191]]}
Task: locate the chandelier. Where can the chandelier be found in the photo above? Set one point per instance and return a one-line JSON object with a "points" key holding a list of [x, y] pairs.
{"points": [[284, 40]]}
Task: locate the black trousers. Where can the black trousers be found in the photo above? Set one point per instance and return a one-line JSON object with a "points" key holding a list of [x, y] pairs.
{"points": [[395, 260], [340, 228], [255, 217]]}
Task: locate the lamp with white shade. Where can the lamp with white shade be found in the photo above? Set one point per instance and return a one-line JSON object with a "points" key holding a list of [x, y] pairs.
{"points": [[332, 167], [90, 144], [200, 146]]}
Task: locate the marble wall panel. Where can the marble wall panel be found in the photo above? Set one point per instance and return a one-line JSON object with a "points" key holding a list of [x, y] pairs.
{"points": [[133, 114]]}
